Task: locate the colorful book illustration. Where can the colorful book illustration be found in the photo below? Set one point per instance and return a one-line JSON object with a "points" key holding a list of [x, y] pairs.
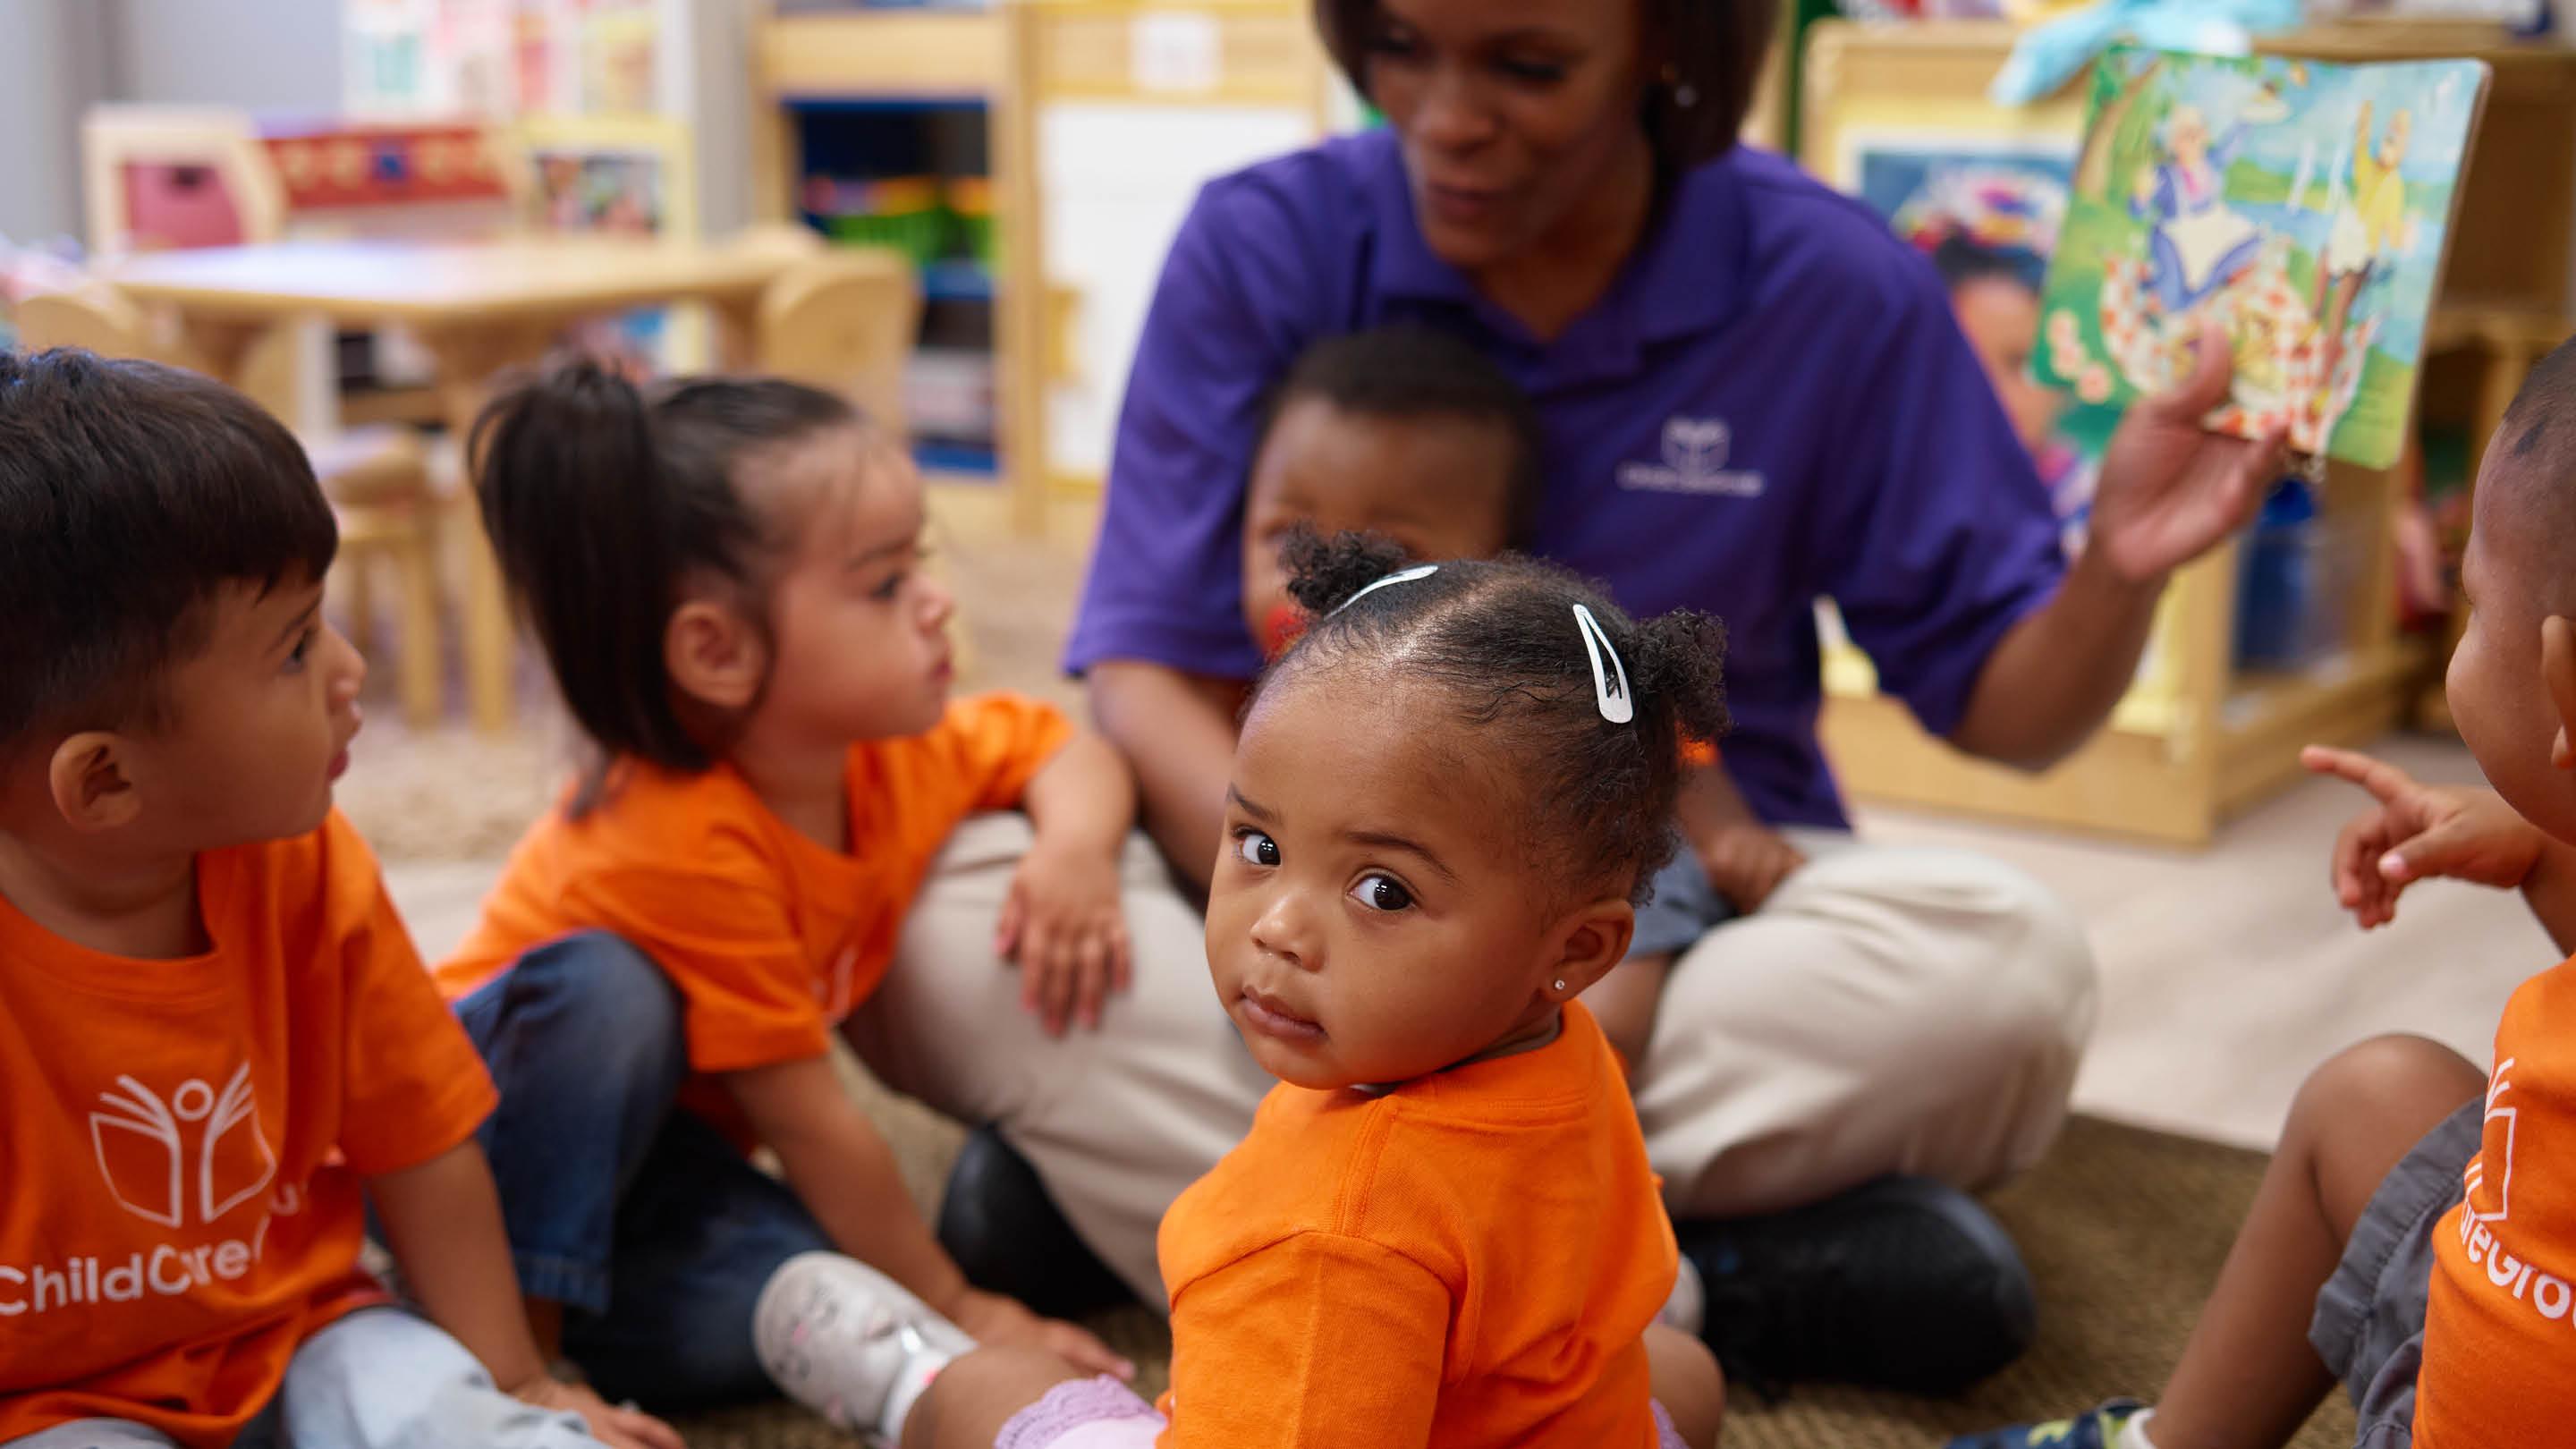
{"points": [[2303, 206]]}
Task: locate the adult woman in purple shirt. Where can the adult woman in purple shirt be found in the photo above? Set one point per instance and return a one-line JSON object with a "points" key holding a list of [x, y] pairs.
{"points": [[1755, 397]]}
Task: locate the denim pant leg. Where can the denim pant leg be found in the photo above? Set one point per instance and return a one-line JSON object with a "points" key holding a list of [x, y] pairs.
{"points": [[384, 1379], [584, 1039], [698, 1237]]}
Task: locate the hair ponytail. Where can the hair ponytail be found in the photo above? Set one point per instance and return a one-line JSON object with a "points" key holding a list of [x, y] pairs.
{"points": [[1326, 573], [1679, 663], [600, 502]]}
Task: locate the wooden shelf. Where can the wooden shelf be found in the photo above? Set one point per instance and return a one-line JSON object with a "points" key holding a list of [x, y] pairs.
{"points": [[2126, 784], [918, 53], [2267, 719]]}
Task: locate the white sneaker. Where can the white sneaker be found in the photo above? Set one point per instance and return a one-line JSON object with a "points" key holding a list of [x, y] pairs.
{"points": [[849, 1342]]}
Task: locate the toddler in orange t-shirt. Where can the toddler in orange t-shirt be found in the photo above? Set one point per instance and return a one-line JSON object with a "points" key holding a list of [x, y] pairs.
{"points": [[1413, 435], [726, 576], [1442, 1231], [2415, 1235], [217, 1048]]}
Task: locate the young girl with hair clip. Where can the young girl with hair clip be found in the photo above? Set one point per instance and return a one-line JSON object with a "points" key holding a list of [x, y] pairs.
{"points": [[1448, 798], [725, 579]]}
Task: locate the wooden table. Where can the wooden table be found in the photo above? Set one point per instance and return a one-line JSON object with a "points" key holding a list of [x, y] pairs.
{"points": [[478, 308]]}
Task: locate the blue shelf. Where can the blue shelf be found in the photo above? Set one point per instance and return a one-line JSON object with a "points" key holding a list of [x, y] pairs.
{"points": [[938, 457], [957, 281]]}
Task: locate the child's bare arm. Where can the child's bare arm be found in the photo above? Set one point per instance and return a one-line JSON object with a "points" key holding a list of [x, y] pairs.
{"points": [[1745, 858], [1178, 729], [840, 1167], [1062, 921], [1624, 1002], [443, 1221]]}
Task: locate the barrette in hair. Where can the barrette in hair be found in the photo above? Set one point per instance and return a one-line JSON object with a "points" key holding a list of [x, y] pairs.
{"points": [[1609, 686], [1400, 576]]}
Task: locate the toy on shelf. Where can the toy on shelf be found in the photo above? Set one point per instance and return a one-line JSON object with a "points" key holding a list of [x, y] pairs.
{"points": [[161, 178]]}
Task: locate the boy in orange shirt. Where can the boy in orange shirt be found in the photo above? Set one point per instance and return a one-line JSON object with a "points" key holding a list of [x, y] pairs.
{"points": [[216, 1045], [2415, 1237], [1442, 1231]]}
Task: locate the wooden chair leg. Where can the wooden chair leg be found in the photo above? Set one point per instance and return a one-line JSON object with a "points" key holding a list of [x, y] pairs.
{"points": [[422, 663], [362, 599]]}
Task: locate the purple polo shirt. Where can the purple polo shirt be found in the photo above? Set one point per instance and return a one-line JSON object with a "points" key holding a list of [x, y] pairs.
{"points": [[1771, 404]]}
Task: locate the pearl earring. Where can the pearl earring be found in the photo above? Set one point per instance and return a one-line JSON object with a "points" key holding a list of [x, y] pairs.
{"points": [[1560, 983]]}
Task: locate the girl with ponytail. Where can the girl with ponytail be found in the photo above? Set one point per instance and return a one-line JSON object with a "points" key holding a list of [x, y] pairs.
{"points": [[725, 579], [1442, 1233]]}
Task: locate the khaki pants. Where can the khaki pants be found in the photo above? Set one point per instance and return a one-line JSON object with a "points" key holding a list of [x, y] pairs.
{"points": [[1888, 1010]]}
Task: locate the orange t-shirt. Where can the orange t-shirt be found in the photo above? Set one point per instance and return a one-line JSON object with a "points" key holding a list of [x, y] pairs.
{"points": [[770, 937], [1466, 1260], [2500, 1325], [183, 1143]]}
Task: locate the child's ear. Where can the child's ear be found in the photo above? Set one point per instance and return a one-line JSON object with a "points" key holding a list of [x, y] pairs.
{"points": [[1589, 942], [714, 654], [89, 783], [2558, 676]]}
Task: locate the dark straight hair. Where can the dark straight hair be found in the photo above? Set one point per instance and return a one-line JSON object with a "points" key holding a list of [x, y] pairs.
{"points": [[129, 494], [601, 501], [1716, 50]]}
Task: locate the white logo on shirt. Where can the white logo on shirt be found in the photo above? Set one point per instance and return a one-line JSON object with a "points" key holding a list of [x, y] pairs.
{"points": [[2476, 1175], [142, 1151], [1694, 461]]}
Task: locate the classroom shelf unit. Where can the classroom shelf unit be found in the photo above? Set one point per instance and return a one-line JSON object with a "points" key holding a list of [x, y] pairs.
{"points": [[2199, 740], [870, 121], [1085, 176]]}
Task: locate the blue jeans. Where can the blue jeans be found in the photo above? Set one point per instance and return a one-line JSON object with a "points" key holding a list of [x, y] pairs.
{"points": [[648, 1226], [377, 1379]]}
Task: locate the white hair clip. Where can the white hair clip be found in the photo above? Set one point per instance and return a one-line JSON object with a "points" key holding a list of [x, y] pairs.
{"points": [[1609, 686], [1400, 576]]}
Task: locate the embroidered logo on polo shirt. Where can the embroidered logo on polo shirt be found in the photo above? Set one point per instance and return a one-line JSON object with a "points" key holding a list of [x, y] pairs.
{"points": [[1694, 461]]}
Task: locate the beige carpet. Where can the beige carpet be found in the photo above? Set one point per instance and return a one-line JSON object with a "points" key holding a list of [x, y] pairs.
{"points": [[2124, 1229]]}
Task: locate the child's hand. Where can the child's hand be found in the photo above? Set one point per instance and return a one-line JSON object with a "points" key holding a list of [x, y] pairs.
{"points": [[615, 1427], [1063, 924], [993, 1319], [2417, 832], [1747, 862]]}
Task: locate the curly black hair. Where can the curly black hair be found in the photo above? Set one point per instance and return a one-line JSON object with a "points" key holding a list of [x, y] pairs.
{"points": [[1500, 637]]}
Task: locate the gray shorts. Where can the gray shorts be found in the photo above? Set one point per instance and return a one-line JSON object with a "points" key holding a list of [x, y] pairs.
{"points": [[1683, 909], [2369, 1327]]}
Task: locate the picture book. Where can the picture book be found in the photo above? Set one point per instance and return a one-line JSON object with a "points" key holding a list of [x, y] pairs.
{"points": [[2304, 207]]}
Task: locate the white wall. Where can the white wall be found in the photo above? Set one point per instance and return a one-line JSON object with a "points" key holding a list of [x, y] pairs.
{"points": [[60, 57], [53, 65], [265, 55]]}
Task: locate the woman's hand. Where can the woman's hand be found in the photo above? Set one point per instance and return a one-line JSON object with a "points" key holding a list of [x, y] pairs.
{"points": [[991, 1318], [615, 1427], [2417, 832], [2170, 490], [1746, 863], [1064, 925]]}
